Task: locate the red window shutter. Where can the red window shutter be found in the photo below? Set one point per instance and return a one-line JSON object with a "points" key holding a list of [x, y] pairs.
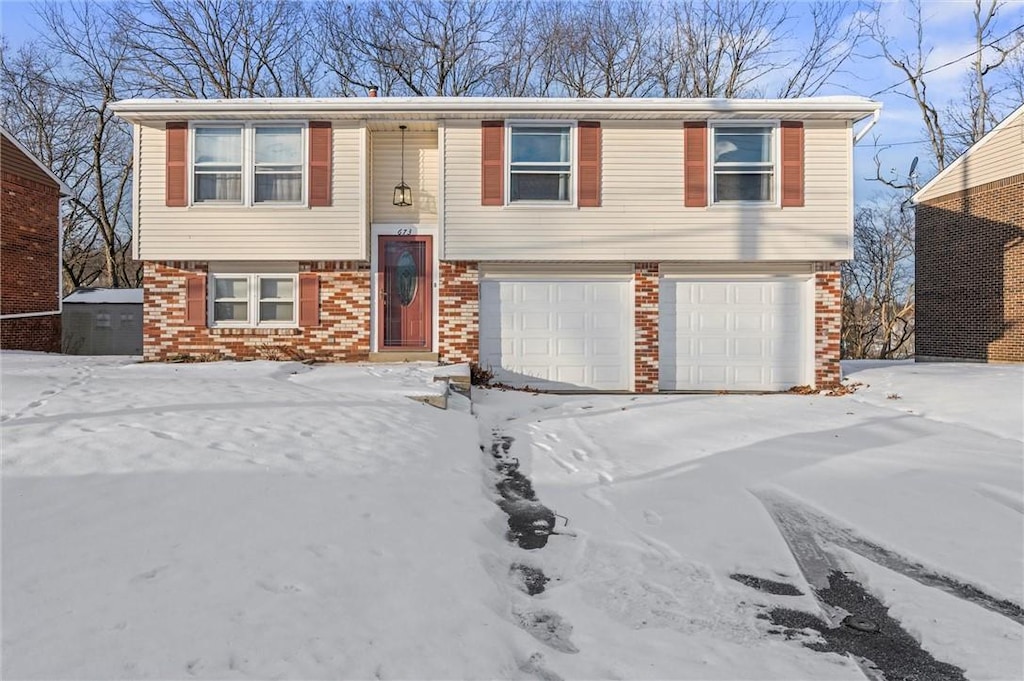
{"points": [[177, 164], [589, 180], [492, 163], [319, 163], [695, 164], [195, 300], [309, 299], [792, 164]]}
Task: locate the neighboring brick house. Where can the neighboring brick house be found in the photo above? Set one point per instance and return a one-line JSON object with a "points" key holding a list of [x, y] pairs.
{"points": [[30, 250], [970, 253], [625, 244]]}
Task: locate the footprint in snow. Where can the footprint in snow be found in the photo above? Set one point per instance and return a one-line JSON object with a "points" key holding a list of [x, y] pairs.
{"points": [[548, 627], [652, 517], [580, 455], [149, 575]]}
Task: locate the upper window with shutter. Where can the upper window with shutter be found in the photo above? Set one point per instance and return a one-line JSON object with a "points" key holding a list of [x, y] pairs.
{"points": [[540, 162], [744, 163], [757, 162], [256, 164]]}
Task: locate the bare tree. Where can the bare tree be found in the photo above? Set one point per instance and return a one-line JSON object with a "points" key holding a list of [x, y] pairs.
{"points": [[442, 48], [834, 38], [220, 48], [878, 284], [950, 127]]}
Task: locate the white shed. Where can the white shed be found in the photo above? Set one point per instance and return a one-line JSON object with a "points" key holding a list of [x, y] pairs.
{"points": [[102, 321]]}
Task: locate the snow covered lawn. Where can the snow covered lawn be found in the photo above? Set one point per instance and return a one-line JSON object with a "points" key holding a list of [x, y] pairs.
{"points": [[273, 520]]}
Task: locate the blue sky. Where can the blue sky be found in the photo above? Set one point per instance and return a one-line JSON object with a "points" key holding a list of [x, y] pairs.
{"points": [[948, 28]]}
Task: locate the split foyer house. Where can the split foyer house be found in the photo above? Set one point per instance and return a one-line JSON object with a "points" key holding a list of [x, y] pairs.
{"points": [[30, 250], [969, 253], [626, 244]]}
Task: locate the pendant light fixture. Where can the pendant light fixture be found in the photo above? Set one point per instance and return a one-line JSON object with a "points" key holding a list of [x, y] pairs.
{"points": [[403, 195]]}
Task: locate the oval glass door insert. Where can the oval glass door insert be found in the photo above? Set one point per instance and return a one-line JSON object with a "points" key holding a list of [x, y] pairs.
{"points": [[406, 278]]}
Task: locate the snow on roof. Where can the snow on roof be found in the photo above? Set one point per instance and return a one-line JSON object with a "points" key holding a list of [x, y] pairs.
{"points": [[105, 295], [851, 108]]}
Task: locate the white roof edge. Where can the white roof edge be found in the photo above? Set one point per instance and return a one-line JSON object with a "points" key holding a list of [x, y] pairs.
{"points": [[858, 107], [64, 189], [919, 194]]}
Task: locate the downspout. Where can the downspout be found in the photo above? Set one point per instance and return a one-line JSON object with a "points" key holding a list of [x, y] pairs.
{"points": [[857, 137]]}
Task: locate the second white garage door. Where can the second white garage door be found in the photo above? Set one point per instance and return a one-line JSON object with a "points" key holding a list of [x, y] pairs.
{"points": [[558, 334], [740, 334]]}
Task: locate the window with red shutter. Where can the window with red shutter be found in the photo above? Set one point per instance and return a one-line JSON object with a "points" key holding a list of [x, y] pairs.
{"points": [[695, 159], [792, 164], [195, 300], [319, 163], [309, 299], [589, 160], [492, 163], [176, 176]]}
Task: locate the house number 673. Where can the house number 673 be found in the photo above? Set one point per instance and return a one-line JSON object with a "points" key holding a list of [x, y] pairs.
{"points": [[405, 231]]}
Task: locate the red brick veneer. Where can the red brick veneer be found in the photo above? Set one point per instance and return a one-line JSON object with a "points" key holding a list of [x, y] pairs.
{"points": [[459, 312], [646, 285], [970, 274], [828, 315], [342, 335], [30, 273]]}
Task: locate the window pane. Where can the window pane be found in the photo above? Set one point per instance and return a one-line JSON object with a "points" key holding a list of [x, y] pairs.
{"points": [[279, 145], [284, 187], [219, 145], [230, 288], [743, 145], [230, 312], [277, 288], [276, 312], [743, 187], [540, 187], [217, 187], [540, 144]]}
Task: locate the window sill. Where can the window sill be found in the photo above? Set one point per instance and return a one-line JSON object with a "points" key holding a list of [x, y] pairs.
{"points": [[537, 205], [254, 331]]}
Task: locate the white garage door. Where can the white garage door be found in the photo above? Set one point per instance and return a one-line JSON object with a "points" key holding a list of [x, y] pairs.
{"points": [[741, 334], [558, 334]]}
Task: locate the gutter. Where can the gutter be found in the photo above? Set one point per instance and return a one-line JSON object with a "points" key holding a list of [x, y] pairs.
{"points": [[857, 137]]}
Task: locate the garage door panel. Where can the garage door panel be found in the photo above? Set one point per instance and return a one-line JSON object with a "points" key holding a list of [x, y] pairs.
{"points": [[719, 334], [572, 333]]}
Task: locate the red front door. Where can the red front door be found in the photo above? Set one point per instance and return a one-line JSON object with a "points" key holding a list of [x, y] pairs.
{"points": [[405, 284]]}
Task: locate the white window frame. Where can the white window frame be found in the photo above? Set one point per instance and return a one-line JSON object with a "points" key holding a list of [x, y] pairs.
{"points": [[776, 164], [248, 198], [253, 299], [573, 170]]}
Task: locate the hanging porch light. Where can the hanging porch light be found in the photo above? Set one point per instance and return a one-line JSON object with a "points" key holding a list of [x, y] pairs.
{"points": [[403, 194]]}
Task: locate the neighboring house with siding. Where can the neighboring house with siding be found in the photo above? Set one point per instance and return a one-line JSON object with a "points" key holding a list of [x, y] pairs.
{"points": [[611, 244], [970, 253], [30, 250]]}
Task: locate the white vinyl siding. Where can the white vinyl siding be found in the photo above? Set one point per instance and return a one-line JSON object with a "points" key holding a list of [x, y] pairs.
{"points": [[420, 174], [272, 232], [642, 216], [996, 158]]}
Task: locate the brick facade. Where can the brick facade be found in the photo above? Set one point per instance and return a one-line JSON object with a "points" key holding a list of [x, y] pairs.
{"points": [[30, 247], [344, 330], [828, 322], [459, 312], [342, 335], [646, 284], [970, 274], [41, 334]]}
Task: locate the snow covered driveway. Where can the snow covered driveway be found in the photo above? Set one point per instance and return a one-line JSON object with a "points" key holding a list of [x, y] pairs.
{"points": [[272, 520]]}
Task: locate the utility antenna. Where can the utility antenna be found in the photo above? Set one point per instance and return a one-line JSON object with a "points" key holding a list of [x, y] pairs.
{"points": [[912, 175]]}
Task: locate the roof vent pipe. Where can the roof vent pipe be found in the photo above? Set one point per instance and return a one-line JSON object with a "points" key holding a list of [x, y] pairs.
{"points": [[373, 90]]}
